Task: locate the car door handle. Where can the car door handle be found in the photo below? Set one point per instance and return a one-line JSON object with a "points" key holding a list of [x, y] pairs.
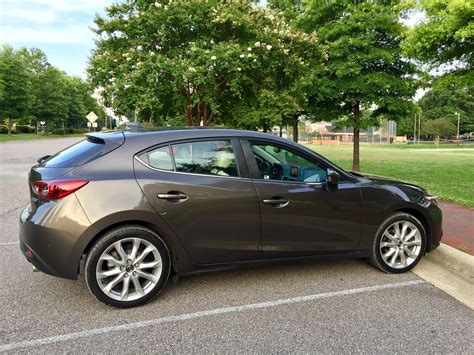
{"points": [[276, 202], [173, 196]]}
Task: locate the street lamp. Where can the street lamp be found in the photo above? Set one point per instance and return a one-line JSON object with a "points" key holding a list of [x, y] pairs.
{"points": [[459, 119]]}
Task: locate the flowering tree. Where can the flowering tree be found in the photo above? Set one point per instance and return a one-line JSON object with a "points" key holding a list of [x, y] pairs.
{"points": [[230, 63]]}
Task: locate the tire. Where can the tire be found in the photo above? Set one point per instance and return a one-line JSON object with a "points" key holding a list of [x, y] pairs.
{"points": [[404, 242], [127, 267]]}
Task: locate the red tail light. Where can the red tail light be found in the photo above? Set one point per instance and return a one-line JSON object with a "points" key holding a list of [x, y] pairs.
{"points": [[56, 189]]}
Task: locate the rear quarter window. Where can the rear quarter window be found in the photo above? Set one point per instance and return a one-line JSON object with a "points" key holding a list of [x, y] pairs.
{"points": [[80, 153]]}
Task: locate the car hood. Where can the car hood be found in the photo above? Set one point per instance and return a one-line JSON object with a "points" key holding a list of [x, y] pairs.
{"points": [[383, 180]]}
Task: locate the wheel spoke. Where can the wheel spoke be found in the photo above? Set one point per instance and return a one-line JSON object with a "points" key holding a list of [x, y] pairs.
{"points": [[112, 272], [394, 258], [413, 243], [121, 252], [144, 253], [112, 283], [147, 276], [391, 237], [396, 228], [109, 258], [138, 287], [403, 259], [410, 235], [405, 226], [136, 245], [409, 253], [389, 253], [125, 287], [387, 244]]}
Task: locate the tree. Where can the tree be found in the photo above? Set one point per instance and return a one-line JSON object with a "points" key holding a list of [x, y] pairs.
{"points": [[365, 67], [446, 98], [445, 40], [230, 63], [15, 98], [439, 127]]}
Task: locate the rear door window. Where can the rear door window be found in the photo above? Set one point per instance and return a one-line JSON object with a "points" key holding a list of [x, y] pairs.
{"points": [[206, 157]]}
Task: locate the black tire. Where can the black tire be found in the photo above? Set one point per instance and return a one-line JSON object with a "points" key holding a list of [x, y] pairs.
{"points": [[376, 258], [106, 241]]}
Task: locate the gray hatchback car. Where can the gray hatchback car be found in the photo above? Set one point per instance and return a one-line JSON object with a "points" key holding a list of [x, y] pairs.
{"points": [[131, 208]]}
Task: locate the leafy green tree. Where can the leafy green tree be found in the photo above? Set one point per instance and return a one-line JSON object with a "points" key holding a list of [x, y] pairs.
{"points": [[15, 95], [365, 67], [446, 38], [446, 98], [440, 127], [230, 63]]}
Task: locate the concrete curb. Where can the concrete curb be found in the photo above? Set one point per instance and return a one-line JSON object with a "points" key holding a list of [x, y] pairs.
{"points": [[455, 260]]}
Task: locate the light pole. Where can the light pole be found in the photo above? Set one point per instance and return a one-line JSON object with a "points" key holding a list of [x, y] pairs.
{"points": [[414, 131], [459, 119]]}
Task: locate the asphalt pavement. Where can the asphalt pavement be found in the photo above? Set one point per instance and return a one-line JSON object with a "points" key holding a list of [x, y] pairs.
{"points": [[329, 306]]}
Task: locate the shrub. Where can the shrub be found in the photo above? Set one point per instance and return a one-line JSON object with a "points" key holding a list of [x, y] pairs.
{"points": [[58, 131], [3, 129], [24, 129]]}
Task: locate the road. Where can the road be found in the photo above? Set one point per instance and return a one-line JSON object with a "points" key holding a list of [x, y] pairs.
{"points": [[318, 306]]}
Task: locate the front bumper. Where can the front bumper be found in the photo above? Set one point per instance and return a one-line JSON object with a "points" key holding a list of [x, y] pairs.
{"points": [[435, 224]]}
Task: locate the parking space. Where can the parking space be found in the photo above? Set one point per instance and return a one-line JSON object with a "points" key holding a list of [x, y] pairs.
{"points": [[316, 306]]}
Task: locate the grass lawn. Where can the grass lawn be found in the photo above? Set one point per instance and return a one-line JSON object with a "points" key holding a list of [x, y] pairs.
{"points": [[30, 136], [447, 172]]}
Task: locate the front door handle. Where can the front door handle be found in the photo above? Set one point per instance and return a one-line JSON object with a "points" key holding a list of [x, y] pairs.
{"points": [[277, 202], [173, 196]]}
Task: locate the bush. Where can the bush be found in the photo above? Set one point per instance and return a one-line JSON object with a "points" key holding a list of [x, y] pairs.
{"points": [[24, 129], [58, 131], [3, 129]]}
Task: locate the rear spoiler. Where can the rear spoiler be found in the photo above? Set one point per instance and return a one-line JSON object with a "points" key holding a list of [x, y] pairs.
{"points": [[116, 137]]}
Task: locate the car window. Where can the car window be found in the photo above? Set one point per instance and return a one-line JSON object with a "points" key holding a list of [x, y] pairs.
{"points": [[205, 157], [277, 163], [161, 158]]}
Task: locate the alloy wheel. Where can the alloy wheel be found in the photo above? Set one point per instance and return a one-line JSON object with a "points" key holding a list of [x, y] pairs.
{"points": [[400, 244], [129, 269]]}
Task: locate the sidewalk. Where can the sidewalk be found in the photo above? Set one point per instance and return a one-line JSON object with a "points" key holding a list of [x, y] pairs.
{"points": [[458, 226]]}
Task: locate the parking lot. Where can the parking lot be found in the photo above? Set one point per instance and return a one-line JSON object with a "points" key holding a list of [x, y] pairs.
{"points": [[318, 306]]}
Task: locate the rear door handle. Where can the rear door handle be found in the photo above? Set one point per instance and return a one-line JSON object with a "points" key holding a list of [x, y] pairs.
{"points": [[277, 202], [173, 196]]}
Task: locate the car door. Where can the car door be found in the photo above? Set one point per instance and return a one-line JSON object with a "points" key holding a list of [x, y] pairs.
{"points": [[299, 214], [204, 192]]}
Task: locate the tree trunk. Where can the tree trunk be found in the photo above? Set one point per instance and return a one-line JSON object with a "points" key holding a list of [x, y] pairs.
{"points": [[281, 130], [265, 128], [356, 152], [295, 130], [9, 126]]}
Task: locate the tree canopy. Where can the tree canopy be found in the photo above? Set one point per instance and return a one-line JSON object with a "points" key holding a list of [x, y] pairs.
{"points": [[231, 63]]}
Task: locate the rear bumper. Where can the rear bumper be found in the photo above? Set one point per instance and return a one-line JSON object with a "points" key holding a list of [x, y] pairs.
{"points": [[49, 237]]}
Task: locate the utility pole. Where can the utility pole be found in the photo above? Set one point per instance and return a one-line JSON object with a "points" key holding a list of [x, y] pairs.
{"points": [[419, 127], [414, 131], [459, 119]]}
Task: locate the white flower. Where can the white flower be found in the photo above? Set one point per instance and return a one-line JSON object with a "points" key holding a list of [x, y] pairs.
{"points": [[157, 4], [238, 69], [126, 86], [242, 56], [191, 69], [285, 51], [213, 57], [212, 41], [137, 15], [249, 49], [257, 44], [269, 47], [139, 48], [115, 60], [255, 60], [301, 62], [249, 55]]}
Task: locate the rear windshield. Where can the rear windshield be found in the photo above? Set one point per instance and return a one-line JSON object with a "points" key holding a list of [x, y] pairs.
{"points": [[80, 153]]}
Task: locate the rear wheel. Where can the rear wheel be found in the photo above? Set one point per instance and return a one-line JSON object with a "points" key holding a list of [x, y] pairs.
{"points": [[128, 267], [399, 244]]}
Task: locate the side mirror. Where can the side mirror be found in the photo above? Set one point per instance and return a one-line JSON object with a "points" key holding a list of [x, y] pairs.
{"points": [[332, 177]]}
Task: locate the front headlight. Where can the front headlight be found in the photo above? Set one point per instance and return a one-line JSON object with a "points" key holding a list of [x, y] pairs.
{"points": [[429, 200]]}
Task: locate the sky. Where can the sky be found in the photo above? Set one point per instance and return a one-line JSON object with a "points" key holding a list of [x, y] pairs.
{"points": [[60, 28]]}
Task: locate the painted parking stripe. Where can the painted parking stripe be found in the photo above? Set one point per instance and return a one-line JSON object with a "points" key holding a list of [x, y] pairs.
{"points": [[9, 243], [199, 314]]}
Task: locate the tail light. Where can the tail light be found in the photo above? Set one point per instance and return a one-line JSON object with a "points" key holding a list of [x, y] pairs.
{"points": [[56, 189]]}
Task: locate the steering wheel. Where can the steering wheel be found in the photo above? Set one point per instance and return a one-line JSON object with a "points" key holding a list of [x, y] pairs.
{"points": [[276, 172]]}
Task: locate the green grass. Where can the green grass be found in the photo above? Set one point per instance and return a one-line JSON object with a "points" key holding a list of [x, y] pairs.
{"points": [[447, 174], [31, 136]]}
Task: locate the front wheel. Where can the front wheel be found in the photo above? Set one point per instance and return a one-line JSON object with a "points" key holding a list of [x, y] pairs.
{"points": [[399, 244], [128, 267]]}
